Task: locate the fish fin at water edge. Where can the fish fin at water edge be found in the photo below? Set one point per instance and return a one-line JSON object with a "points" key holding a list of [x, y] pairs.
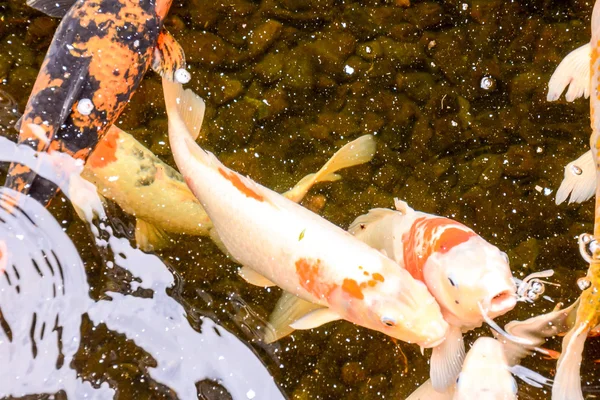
{"points": [[149, 237], [354, 153], [316, 318], [53, 8], [374, 215], [187, 104], [289, 308], [579, 180], [254, 278], [447, 359], [573, 71], [567, 382], [168, 59], [402, 206]]}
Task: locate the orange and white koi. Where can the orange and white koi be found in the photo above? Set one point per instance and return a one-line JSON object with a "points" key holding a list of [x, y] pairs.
{"points": [[126, 172], [485, 375], [281, 243], [470, 278], [97, 59]]}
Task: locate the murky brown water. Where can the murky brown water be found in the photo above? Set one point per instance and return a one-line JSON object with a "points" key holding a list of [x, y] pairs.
{"points": [[455, 93]]}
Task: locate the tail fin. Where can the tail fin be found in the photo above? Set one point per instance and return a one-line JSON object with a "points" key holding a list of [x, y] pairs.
{"points": [[567, 382], [579, 180], [188, 105], [357, 152], [573, 71]]}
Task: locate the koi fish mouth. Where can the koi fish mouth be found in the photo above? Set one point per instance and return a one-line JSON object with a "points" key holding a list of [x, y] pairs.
{"points": [[502, 302]]}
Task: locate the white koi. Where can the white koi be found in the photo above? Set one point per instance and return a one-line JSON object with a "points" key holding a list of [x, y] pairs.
{"points": [[464, 273], [279, 242]]}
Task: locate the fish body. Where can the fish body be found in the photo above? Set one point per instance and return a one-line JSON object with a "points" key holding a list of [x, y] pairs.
{"points": [[126, 172], [97, 59], [485, 375], [465, 273], [281, 243]]}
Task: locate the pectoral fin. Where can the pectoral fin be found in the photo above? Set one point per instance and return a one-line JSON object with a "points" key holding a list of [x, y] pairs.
{"points": [[288, 309], [169, 59], [427, 392], [254, 278], [149, 237], [53, 8], [579, 180], [573, 71], [316, 318], [357, 152], [446, 360], [567, 382]]}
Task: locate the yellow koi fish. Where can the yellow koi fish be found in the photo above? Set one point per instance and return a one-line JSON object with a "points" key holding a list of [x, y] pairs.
{"points": [[281, 243], [126, 172]]}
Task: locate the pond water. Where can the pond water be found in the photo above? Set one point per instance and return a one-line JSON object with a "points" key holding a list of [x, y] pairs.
{"points": [[454, 92]]}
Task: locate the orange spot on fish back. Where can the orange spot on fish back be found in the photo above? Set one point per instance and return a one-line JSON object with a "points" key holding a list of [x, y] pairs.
{"points": [[239, 185], [424, 238], [309, 272], [351, 287], [105, 151], [378, 277]]}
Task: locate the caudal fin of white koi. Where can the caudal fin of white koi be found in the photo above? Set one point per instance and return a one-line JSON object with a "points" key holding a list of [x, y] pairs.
{"points": [[573, 71], [288, 309], [530, 377], [189, 106], [567, 382], [579, 180], [357, 152]]}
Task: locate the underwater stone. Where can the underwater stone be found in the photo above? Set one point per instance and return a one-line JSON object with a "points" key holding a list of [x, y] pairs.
{"points": [[403, 32], [417, 85], [270, 68], [370, 51], [39, 29], [205, 48], [263, 36], [353, 373], [298, 72], [317, 131], [274, 102], [486, 11], [403, 54], [519, 162], [525, 85], [426, 15], [331, 52]]}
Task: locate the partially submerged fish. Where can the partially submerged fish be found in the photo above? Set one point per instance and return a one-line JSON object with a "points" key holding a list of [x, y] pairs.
{"points": [[281, 243], [97, 59], [128, 173], [470, 278], [485, 375], [580, 70]]}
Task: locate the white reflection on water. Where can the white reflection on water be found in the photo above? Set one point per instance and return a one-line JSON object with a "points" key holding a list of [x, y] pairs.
{"points": [[46, 261]]}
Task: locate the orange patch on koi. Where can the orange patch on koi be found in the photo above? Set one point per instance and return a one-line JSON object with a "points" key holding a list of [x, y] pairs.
{"points": [[105, 151], [239, 185], [378, 277], [308, 273], [352, 288]]}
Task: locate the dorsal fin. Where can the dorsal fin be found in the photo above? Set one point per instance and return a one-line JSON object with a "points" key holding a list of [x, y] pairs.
{"points": [[53, 8]]}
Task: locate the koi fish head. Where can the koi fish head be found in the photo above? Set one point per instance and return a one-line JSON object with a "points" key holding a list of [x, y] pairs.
{"points": [[486, 359], [469, 273], [402, 307]]}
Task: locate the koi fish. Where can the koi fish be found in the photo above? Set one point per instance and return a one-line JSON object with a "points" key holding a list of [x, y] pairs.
{"points": [[485, 360], [279, 242], [129, 174], [97, 59], [580, 71], [470, 278], [580, 180]]}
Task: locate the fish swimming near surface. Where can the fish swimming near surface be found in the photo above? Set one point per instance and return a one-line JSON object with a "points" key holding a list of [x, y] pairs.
{"points": [[485, 375], [470, 278], [126, 172], [580, 70], [279, 242], [97, 59]]}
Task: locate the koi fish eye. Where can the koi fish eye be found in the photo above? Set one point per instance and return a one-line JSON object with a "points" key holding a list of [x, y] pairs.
{"points": [[388, 321]]}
